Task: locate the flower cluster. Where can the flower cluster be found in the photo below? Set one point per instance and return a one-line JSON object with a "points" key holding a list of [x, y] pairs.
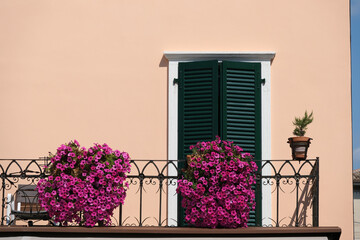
{"points": [[85, 185], [216, 186]]}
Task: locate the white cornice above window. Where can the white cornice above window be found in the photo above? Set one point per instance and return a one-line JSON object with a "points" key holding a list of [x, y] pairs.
{"points": [[237, 56]]}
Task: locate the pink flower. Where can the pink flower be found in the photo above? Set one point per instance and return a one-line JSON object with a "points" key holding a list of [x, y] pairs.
{"points": [[222, 179], [95, 182]]}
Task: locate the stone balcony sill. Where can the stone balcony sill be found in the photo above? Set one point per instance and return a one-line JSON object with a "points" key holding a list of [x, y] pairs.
{"points": [[330, 233]]}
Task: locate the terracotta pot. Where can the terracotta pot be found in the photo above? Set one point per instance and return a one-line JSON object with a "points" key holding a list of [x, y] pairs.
{"points": [[299, 146]]}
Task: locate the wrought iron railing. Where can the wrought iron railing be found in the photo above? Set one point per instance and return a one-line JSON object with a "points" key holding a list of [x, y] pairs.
{"points": [[289, 191], [293, 189]]}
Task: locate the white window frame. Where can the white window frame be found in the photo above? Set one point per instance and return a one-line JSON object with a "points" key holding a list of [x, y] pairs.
{"points": [[265, 58]]}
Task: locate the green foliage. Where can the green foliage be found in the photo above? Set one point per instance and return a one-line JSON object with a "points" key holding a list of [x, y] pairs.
{"points": [[302, 123]]}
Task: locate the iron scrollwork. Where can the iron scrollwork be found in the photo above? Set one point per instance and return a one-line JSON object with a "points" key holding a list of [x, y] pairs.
{"points": [[152, 181]]}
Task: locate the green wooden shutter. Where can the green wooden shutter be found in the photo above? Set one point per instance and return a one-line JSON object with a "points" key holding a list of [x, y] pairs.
{"points": [[198, 109], [198, 104], [241, 113]]}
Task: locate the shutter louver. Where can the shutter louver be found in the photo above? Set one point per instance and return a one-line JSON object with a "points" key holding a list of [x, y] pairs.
{"points": [[241, 113]]}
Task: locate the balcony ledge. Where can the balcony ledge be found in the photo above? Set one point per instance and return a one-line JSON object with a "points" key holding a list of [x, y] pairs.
{"points": [[331, 233]]}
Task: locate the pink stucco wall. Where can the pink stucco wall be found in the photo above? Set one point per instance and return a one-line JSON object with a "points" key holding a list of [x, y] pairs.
{"points": [[94, 71]]}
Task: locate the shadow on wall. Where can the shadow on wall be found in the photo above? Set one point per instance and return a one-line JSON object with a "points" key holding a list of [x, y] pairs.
{"points": [[163, 62], [305, 203]]}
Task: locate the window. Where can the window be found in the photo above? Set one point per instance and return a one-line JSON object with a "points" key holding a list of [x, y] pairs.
{"points": [[220, 99], [175, 59]]}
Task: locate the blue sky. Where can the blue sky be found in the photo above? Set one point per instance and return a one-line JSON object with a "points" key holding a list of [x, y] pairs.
{"points": [[355, 72]]}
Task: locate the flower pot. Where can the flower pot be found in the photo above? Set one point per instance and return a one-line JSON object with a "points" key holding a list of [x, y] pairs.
{"points": [[299, 147]]}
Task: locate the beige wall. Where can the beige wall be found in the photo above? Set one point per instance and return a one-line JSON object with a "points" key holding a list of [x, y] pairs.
{"points": [[94, 71]]}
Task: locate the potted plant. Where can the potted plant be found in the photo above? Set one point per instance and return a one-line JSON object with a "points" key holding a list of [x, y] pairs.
{"points": [[300, 144], [217, 185], [84, 185]]}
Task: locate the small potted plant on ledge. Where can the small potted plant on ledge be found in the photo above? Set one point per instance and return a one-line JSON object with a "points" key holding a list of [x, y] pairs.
{"points": [[300, 144]]}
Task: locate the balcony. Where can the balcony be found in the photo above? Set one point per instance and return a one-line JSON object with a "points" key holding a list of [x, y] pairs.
{"points": [[288, 191]]}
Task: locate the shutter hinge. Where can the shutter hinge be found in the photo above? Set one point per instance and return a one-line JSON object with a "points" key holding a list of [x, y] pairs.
{"points": [[263, 81], [178, 82]]}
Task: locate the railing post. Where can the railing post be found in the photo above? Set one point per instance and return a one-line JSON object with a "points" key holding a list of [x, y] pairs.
{"points": [[161, 179], [141, 178], [277, 178], [3, 199], [297, 179], [316, 194], [120, 215], [258, 191]]}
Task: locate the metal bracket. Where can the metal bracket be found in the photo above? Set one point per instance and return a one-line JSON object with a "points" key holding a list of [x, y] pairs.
{"points": [[176, 81]]}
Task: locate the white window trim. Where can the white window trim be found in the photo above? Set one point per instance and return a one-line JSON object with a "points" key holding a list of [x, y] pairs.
{"points": [[265, 58]]}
